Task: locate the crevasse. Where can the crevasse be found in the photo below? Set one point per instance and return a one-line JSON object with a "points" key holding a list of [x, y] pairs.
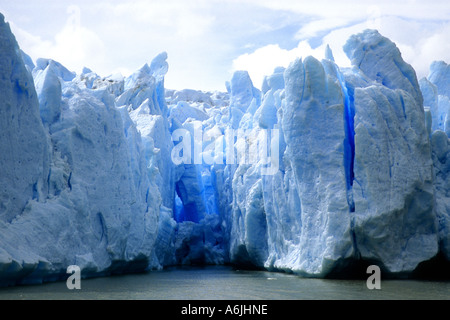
{"points": [[349, 143]]}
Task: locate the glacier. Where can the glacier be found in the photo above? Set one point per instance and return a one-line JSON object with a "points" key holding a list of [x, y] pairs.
{"points": [[323, 171]]}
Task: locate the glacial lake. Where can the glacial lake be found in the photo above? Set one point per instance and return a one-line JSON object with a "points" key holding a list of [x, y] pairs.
{"points": [[225, 283]]}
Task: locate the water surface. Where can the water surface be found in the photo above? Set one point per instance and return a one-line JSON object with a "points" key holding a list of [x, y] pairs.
{"points": [[225, 283]]}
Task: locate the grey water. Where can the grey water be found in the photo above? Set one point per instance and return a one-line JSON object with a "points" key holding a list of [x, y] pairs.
{"points": [[225, 283]]}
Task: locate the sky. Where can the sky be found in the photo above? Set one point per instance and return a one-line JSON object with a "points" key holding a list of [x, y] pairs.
{"points": [[207, 40]]}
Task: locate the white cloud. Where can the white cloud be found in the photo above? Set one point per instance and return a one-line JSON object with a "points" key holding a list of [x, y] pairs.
{"points": [[361, 9], [203, 39], [420, 42], [74, 45], [180, 18], [420, 30], [313, 28], [429, 49], [139, 30], [264, 60]]}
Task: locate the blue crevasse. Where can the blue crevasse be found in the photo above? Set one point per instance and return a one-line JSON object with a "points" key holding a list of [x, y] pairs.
{"points": [[349, 142]]}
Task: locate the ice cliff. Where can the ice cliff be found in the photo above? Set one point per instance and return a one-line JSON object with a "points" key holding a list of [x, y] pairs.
{"points": [[436, 93], [321, 169], [76, 176], [356, 180]]}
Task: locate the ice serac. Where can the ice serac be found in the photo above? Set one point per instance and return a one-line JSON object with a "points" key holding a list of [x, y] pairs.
{"points": [[380, 60], [144, 97], [199, 232], [355, 183], [24, 146], [29, 64], [441, 160], [431, 103], [24, 154], [48, 88], [59, 69], [243, 94], [395, 223], [313, 123], [248, 238], [80, 185], [250, 229], [297, 218], [436, 87], [440, 77], [147, 83]]}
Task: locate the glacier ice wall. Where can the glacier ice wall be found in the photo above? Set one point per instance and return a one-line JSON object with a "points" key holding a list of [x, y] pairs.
{"points": [[393, 178], [356, 169], [76, 186], [25, 160], [436, 89], [357, 177]]}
